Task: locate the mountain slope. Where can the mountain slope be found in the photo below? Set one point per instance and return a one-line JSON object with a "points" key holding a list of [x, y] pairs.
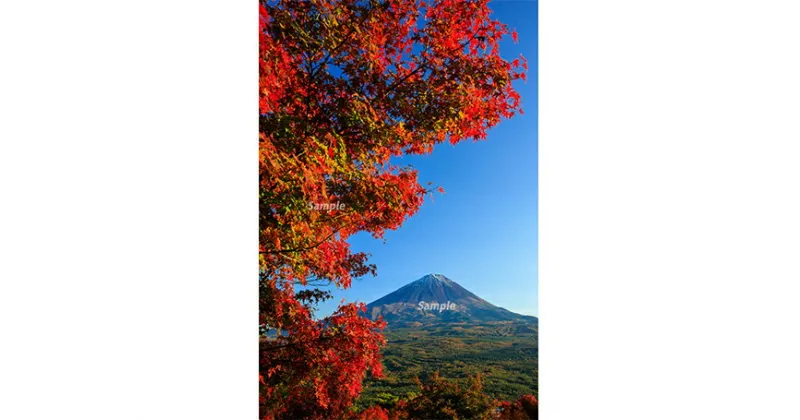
{"points": [[469, 337], [435, 298]]}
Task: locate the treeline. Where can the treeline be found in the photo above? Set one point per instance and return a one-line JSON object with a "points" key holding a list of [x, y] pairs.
{"points": [[435, 399], [439, 398], [508, 365]]}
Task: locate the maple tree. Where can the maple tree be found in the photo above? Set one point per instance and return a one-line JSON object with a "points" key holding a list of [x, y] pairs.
{"points": [[374, 413], [525, 408], [344, 86]]}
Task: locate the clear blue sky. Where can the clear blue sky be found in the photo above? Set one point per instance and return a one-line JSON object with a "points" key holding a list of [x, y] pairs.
{"points": [[483, 233]]}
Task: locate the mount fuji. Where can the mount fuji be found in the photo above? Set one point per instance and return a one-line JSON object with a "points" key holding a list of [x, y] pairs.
{"points": [[435, 299]]}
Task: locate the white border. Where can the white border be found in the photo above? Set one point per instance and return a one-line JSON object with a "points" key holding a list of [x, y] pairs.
{"points": [[670, 210], [128, 236]]}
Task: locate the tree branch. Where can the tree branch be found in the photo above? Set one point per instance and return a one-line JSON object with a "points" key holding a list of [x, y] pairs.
{"points": [[286, 251]]}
